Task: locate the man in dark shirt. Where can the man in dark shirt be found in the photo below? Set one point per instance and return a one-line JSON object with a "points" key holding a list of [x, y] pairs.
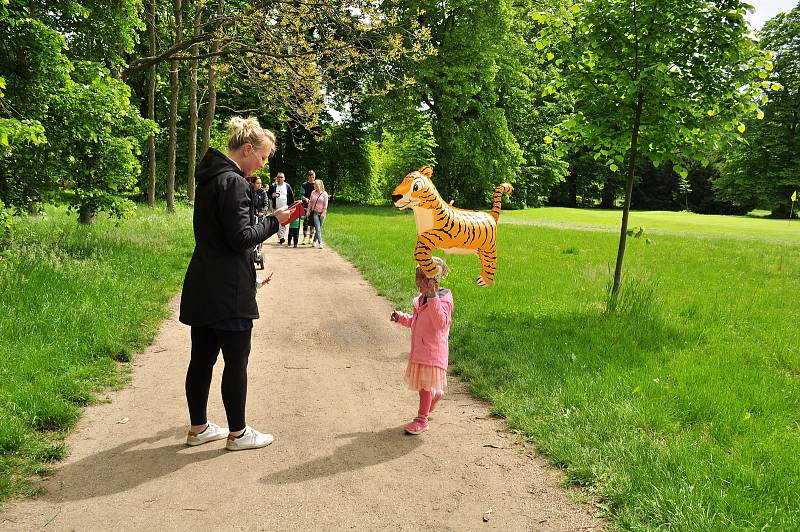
{"points": [[308, 227]]}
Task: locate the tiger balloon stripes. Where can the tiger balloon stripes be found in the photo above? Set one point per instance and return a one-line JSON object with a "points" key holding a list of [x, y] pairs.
{"points": [[442, 226]]}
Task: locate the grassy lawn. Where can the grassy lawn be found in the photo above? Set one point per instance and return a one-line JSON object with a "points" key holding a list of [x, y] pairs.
{"points": [[75, 301], [663, 222], [682, 410]]}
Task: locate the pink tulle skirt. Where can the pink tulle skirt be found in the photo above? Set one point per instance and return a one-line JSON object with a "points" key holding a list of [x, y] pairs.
{"points": [[422, 377]]}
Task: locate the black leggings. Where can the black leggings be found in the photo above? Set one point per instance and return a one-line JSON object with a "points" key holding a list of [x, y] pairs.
{"points": [[206, 344]]}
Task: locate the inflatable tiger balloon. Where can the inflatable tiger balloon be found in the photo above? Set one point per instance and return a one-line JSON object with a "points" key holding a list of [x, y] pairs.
{"points": [[439, 225]]}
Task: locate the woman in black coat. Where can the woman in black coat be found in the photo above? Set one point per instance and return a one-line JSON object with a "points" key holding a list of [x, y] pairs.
{"points": [[219, 292]]}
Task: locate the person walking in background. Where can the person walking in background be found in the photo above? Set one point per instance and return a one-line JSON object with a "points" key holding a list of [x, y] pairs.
{"points": [[280, 195], [318, 209], [218, 299], [308, 225], [259, 199], [426, 371]]}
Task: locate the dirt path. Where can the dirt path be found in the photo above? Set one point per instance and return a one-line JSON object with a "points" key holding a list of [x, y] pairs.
{"points": [[336, 405]]}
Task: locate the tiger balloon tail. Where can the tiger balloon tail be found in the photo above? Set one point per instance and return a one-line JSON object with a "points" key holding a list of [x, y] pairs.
{"points": [[442, 226]]}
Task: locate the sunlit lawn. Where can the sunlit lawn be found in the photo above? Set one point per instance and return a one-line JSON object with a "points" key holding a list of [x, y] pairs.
{"points": [[663, 222], [683, 410], [73, 300]]}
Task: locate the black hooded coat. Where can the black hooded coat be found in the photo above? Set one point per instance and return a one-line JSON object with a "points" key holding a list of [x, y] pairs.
{"points": [[220, 282]]}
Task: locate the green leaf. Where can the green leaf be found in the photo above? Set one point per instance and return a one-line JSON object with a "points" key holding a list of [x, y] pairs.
{"points": [[613, 167]]}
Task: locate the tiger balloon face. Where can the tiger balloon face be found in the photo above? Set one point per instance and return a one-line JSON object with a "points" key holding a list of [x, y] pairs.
{"points": [[415, 190]]}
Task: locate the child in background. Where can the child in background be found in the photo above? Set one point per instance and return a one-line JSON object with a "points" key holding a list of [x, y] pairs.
{"points": [[426, 371], [294, 231]]}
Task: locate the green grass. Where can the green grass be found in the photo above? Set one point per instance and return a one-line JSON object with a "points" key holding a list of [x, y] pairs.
{"points": [[663, 223], [681, 410], [74, 302]]}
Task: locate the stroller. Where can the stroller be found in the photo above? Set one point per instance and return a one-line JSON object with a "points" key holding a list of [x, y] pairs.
{"points": [[257, 254]]}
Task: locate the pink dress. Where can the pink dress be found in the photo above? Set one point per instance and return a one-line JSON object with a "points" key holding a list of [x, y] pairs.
{"points": [[430, 330]]}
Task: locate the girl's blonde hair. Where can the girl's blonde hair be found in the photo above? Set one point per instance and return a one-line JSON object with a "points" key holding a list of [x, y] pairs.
{"points": [[243, 131], [319, 186], [443, 269]]}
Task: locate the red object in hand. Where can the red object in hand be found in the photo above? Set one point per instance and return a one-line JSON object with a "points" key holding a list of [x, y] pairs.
{"points": [[296, 210]]}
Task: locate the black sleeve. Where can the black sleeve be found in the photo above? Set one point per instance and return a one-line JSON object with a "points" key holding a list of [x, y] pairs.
{"points": [[234, 209], [289, 194]]}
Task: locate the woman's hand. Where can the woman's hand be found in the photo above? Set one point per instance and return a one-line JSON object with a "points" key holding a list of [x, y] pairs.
{"points": [[282, 214]]}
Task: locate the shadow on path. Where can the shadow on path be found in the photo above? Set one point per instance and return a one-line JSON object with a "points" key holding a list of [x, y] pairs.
{"points": [[124, 467], [365, 449]]}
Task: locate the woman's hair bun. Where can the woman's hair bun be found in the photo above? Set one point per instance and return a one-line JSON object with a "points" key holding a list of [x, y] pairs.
{"points": [[243, 131]]}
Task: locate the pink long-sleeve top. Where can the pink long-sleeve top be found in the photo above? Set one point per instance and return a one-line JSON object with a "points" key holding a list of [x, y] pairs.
{"points": [[318, 201], [430, 329]]}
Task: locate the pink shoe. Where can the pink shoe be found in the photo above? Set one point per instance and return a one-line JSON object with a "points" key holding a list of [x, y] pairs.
{"points": [[435, 399], [418, 425]]}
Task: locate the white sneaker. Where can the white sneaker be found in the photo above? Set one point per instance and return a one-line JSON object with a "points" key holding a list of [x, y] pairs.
{"points": [[212, 433], [251, 439], [321, 246]]}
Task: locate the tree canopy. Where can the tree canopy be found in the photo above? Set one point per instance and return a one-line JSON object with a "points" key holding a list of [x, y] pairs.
{"points": [[541, 93], [764, 171]]}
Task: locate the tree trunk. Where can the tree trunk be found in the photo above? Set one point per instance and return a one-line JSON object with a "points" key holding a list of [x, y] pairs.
{"points": [[607, 197], [151, 109], [212, 88], [572, 190], [192, 150], [173, 110], [86, 215], [623, 234]]}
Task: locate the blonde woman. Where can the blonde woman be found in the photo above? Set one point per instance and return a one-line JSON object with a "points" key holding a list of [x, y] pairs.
{"points": [[318, 209], [219, 291]]}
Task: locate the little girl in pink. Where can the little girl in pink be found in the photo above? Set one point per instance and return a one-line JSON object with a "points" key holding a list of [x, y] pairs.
{"points": [[426, 371]]}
